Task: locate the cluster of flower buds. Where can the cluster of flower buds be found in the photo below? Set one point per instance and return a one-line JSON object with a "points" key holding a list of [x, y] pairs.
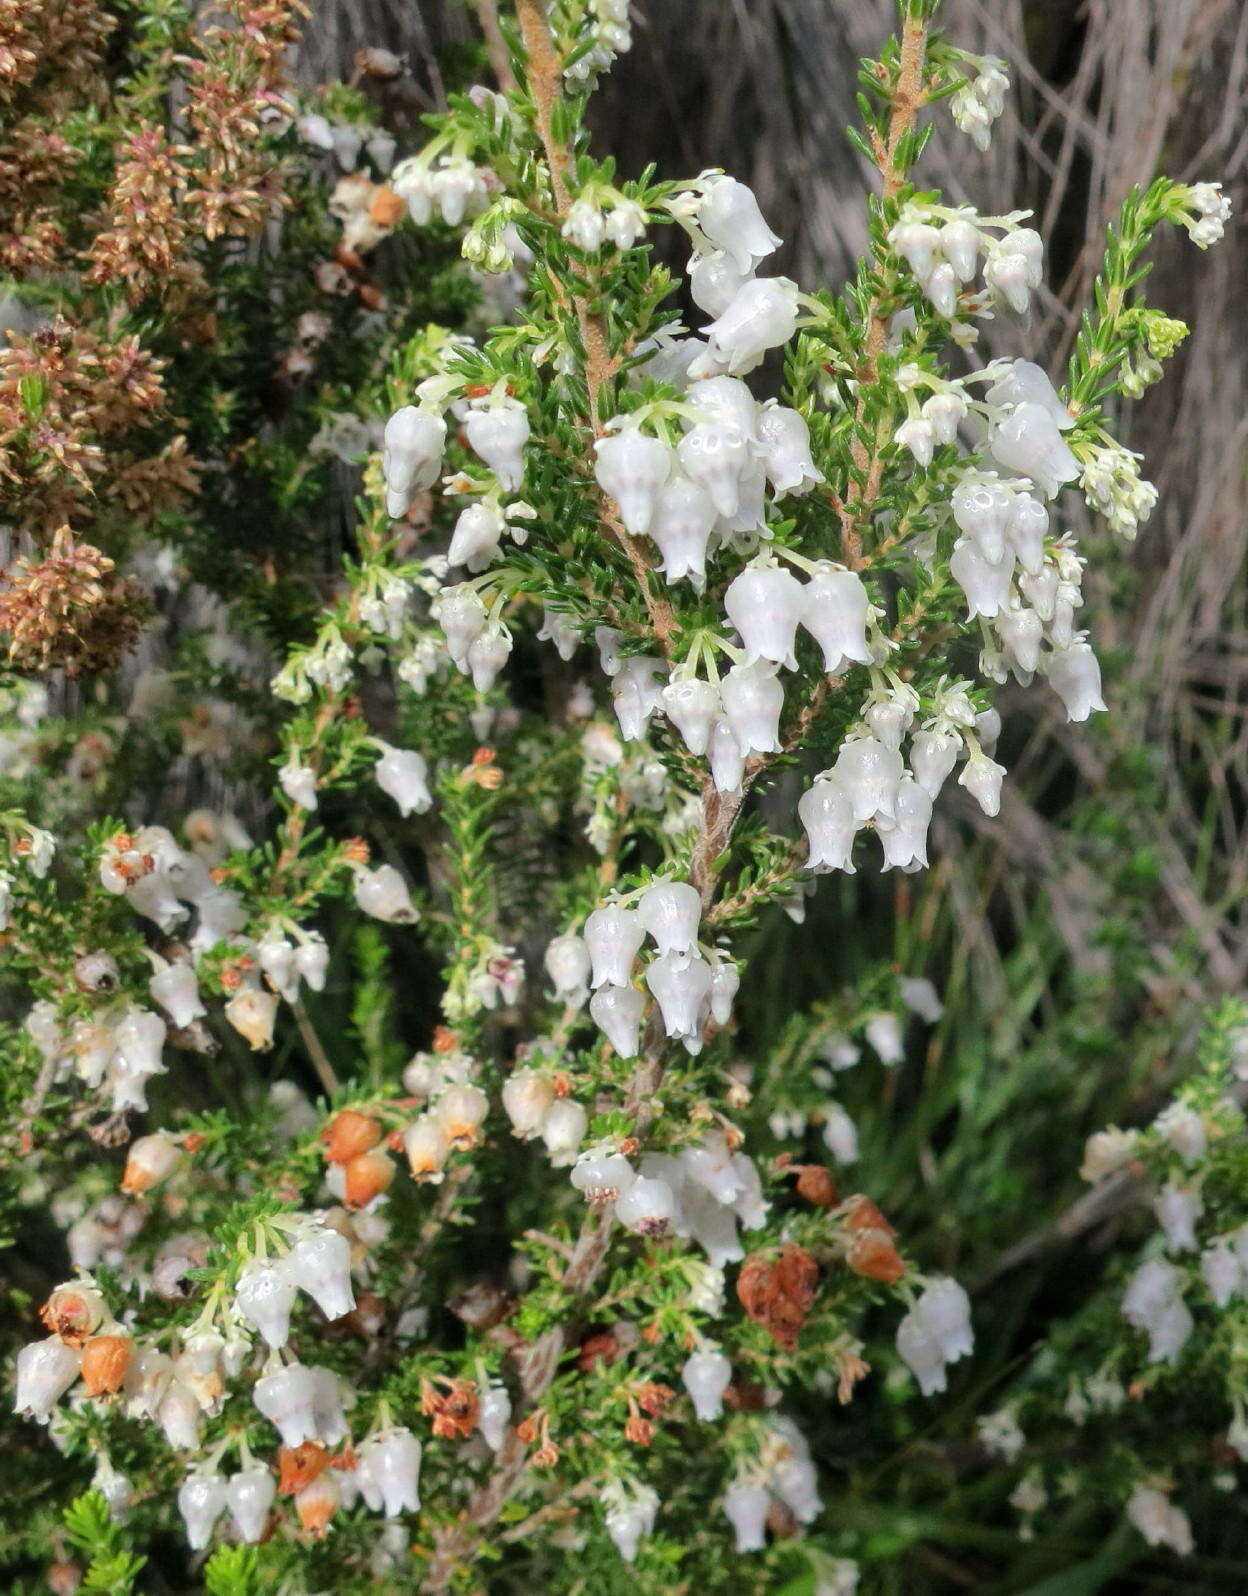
{"points": [[935, 1333], [1159, 1521], [980, 99], [942, 247], [537, 1104], [700, 1194], [783, 1473], [454, 1112], [600, 215]]}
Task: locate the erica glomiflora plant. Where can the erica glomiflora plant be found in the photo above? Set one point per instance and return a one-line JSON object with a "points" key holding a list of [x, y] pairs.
{"points": [[546, 1301]]}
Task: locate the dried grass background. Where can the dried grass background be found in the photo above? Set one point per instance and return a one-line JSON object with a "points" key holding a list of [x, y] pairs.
{"points": [[1107, 93]]}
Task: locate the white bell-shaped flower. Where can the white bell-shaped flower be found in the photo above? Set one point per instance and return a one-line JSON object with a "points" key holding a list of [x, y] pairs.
{"points": [[945, 1310], [959, 242], [717, 456], [840, 1134], [681, 984], [727, 400], [477, 535], [921, 997], [649, 1207], [265, 1297], [1177, 1209], [631, 468], [392, 1462], [1020, 382], [320, 1264], [287, 1398], [904, 838], [461, 615], [919, 436], [988, 729], [714, 280], [729, 215], [558, 629], [1025, 532], [706, 1376], [1015, 266], [202, 1498], [765, 603], [684, 517], [403, 774], [585, 225], [986, 584], [1074, 674], [835, 611], [528, 1096], [498, 433], [1222, 1272], [563, 1130], [890, 714], [982, 511], [629, 1517], [568, 965], [727, 758], [753, 703], [602, 1177], [784, 438], [1028, 441], [636, 694], [671, 911], [176, 989], [494, 1415], [883, 1031], [427, 1147], [746, 1505], [383, 894], [331, 1422], [1021, 632], [411, 458], [626, 223], [249, 1496], [827, 813], [943, 412], [45, 1371], [933, 754], [692, 706], [617, 1012], [613, 936], [762, 316], [725, 983], [982, 778], [869, 774]]}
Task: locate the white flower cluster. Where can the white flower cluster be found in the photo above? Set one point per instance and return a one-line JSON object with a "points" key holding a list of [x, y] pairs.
{"points": [[607, 33], [451, 184], [980, 100], [345, 141], [783, 1473], [701, 1193], [942, 246]]}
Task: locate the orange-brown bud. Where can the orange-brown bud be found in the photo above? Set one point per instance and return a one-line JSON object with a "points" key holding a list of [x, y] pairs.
{"points": [[105, 1360], [818, 1186], [298, 1466], [367, 1177], [862, 1214], [386, 207], [872, 1255], [73, 1313], [349, 1134], [317, 1503]]}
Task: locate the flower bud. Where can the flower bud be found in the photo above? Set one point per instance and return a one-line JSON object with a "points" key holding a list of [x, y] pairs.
{"points": [[706, 1376], [403, 774], [883, 1032], [613, 936], [727, 758], [45, 1371], [494, 1415], [753, 703], [528, 1097], [365, 1178], [982, 778], [631, 468], [349, 1134], [383, 894], [249, 1496], [959, 242], [617, 1012], [933, 755], [725, 980], [265, 1296], [563, 1130], [681, 984], [201, 1501], [150, 1160], [648, 1206]]}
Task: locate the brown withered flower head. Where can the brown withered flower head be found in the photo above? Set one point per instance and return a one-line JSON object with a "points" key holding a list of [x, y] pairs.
{"points": [[779, 1292], [69, 610]]}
